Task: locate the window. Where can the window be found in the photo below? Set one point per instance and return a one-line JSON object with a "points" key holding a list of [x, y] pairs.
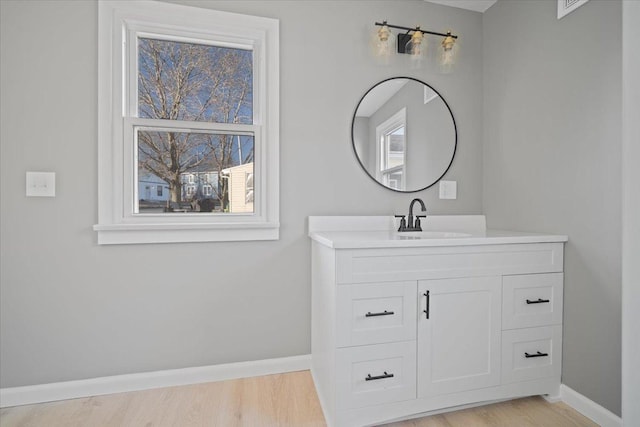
{"points": [[391, 153], [185, 94]]}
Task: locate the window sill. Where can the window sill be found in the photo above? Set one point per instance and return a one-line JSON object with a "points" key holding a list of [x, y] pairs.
{"points": [[123, 234]]}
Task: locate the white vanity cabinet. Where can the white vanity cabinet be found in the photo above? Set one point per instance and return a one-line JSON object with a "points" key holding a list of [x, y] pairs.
{"points": [[405, 327]]}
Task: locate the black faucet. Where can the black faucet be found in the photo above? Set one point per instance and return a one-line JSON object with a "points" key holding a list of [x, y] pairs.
{"points": [[410, 225]]}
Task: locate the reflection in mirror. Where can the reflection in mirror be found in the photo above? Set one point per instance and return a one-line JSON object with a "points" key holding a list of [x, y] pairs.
{"points": [[404, 134]]}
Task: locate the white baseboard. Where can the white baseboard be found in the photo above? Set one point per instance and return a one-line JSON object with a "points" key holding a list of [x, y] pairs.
{"points": [[16, 396], [589, 408]]}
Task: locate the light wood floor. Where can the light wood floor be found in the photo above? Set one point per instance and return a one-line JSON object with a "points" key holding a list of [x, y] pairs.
{"points": [[284, 400]]}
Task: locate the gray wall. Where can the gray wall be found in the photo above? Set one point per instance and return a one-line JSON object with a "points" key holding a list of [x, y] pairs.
{"points": [[362, 144], [72, 310], [552, 159]]}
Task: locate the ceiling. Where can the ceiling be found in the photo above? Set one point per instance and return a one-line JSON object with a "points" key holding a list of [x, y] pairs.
{"points": [[475, 5]]}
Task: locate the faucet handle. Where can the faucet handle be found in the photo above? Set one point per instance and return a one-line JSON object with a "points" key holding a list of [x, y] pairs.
{"points": [[417, 225], [403, 222]]}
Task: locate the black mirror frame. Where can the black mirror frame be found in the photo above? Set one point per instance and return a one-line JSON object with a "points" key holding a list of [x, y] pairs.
{"points": [[353, 142]]}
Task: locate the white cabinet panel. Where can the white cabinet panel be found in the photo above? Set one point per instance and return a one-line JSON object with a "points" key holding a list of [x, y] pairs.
{"points": [[376, 313], [531, 300], [375, 374], [531, 353], [458, 335]]}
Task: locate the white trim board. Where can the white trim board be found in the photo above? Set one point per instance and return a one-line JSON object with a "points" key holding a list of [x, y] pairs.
{"points": [[589, 408], [27, 395]]}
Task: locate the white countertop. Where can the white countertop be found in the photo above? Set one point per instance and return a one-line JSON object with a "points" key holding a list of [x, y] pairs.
{"points": [[376, 232], [392, 239]]}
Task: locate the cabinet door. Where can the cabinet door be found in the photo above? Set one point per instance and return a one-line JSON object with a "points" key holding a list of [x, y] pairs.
{"points": [[459, 330]]}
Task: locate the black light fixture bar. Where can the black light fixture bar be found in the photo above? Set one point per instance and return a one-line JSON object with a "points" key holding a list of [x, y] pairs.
{"points": [[407, 29]]}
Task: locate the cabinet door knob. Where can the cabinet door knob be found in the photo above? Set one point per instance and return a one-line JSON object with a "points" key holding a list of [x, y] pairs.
{"points": [[538, 354], [384, 313], [378, 377], [538, 301]]}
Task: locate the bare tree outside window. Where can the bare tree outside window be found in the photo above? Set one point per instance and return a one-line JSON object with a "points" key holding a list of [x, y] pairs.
{"points": [[197, 83]]}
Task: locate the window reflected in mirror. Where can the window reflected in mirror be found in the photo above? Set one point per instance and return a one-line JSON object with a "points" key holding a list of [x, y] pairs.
{"points": [[392, 154]]}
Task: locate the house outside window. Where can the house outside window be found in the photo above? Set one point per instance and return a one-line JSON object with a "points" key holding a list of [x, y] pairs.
{"points": [[198, 91], [237, 180]]}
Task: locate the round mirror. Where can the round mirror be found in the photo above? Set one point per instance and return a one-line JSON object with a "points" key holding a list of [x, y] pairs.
{"points": [[404, 134]]}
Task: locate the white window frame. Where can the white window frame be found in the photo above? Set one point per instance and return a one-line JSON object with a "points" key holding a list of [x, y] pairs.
{"points": [[394, 122], [119, 22]]}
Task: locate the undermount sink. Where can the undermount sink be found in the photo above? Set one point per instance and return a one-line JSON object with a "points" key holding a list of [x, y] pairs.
{"points": [[430, 234]]}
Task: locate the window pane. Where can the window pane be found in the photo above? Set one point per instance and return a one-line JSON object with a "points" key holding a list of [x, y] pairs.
{"points": [[194, 82], [202, 172], [395, 148]]}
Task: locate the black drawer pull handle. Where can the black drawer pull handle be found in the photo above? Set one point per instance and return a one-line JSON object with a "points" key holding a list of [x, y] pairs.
{"points": [[539, 301], [426, 312], [379, 377], [384, 313], [538, 354]]}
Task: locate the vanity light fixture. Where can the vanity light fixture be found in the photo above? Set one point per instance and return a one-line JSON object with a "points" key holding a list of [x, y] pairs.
{"points": [[413, 42], [448, 53], [384, 41], [414, 46]]}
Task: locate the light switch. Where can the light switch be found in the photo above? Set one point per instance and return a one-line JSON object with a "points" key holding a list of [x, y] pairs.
{"points": [[448, 189], [41, 184]]}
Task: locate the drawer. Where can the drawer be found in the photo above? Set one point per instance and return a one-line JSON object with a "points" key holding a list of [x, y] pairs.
{"points": [[532, 353], [375, 313], [531, 300], [375, 374]]}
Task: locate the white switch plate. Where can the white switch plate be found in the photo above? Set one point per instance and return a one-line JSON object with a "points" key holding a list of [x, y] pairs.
{"points": [[449, 190], [41, 184]]}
